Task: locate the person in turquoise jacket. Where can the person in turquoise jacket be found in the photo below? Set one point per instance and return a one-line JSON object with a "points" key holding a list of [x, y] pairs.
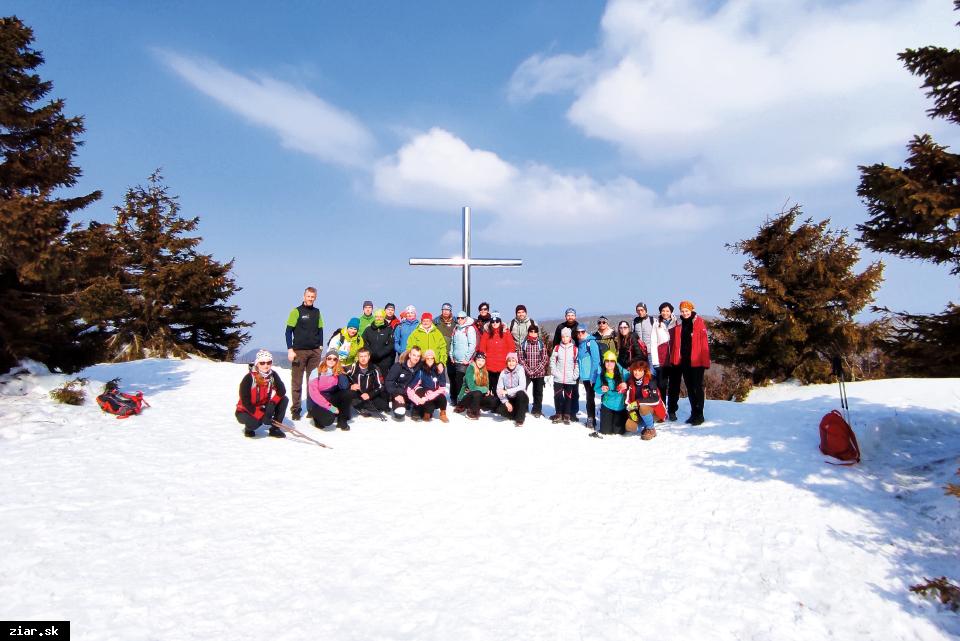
{"points": [[588, 360], [611, 384]]}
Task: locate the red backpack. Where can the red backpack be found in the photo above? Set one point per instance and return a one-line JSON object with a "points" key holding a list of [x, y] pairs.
{"points": [[838, 440], [120, 404]]}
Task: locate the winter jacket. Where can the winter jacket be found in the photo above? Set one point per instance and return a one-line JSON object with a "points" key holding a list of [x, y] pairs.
{"points": [[496, 346], [573, 331], [511, 382], [399, 377], [369, 379], [365, 322], [633, 348], [470, 383], [463, 343], [445, 328], [254, 398], [660, 342], [642, 392], [519, 329], [606, 343], [346, 346], [533, 357], [588, 358], [304, 328], [379, 340], [401, 333], [320, 390], [428, 384], [425, 340], [642, 327], [689, 343], [613, 398], [563, 363]]}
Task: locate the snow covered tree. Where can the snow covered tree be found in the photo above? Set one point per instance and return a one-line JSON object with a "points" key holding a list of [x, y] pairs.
{"points": [[915, 213], [38, 288], [166, 299], [797, 303]]}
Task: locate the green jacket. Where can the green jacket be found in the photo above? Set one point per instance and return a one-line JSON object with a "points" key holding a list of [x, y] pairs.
{"points": [[365, 322], [429, 340], [347, 347], [470, 384]]}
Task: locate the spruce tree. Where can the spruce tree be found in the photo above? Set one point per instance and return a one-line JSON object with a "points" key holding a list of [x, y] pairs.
{"points": [[797, 303], [915, 213], [169, 300], [38, 288]]}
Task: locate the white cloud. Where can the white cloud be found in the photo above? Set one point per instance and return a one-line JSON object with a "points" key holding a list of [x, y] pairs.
{"points": [[757, 94], [533, 204], [303, 121]]}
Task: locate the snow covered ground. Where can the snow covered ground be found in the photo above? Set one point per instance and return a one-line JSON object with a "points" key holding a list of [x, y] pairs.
{"points": [[170, 525]]}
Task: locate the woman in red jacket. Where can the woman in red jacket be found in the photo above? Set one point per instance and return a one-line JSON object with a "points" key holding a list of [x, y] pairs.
{"points": [[496, 343], [263, 399], [689, 358]]}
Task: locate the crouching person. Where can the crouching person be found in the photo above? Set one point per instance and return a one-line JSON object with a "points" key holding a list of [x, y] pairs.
{"points": [[367, 394], [428, 391], [643, 400], [328, 397], [511, 390], [475, 395], [401, 375], [263, 398]]}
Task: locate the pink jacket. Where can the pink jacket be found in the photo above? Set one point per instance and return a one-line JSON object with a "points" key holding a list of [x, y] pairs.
{"points": [[317, 386]]}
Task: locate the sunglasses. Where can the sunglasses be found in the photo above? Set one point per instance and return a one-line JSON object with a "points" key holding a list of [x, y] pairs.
{"points": [[601, 322], [265, 363], [496, 320], [332, 358], [581, 331]]}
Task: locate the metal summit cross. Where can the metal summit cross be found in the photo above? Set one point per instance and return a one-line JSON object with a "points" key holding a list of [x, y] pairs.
{"points": [[466, 262]]}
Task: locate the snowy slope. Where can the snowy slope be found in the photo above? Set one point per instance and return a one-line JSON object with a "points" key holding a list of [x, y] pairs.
{"points": [[172, 526]]}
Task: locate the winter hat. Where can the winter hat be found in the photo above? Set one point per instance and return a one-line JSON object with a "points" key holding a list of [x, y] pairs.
{"points": [[390, 306], [603, 319], [570, 310], [477, 355], [446, 306], [426, 315], [565, 332], [512, 355], [428, 353], [662, 305], [461, 314], [519, 307], [641, 306], [581, 327], [263, 356], [410, 311], [367, 303], [609, 356], [354, 323], [687, 304], [496, 316], [380, 313]]}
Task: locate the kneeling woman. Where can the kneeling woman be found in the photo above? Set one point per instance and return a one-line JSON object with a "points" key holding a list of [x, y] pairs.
{"points": [[328, 397], [643, 400], [475, 393], [263, 399], [611, 384], [428, 390]]}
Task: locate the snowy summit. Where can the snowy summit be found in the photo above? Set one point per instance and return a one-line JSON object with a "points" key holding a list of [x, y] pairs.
{"points": [[171, 525]]}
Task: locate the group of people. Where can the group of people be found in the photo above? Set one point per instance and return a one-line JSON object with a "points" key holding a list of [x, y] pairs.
{"points": [[406, 365]]}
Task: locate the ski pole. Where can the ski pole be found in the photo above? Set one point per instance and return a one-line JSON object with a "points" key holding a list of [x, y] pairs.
{"points": [[295, 432]]}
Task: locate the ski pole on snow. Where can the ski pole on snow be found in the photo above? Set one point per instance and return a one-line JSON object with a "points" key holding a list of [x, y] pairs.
{"points": [[838, 372], [295, 432]]}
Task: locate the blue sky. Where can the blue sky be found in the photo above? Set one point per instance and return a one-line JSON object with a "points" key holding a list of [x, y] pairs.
{"points": [[614, 148]]}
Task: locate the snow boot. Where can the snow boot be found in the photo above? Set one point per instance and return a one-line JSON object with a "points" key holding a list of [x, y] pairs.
{"points": [[672, 416], [459, 409], [443, 416], [249, 432], [566, 419], [276, 432], [295, 414], [690, 419], [648, 433], [427, 417], [518, 423], [595, 434], [696, 420], [473, 415], [537, 414], [556, 418]]}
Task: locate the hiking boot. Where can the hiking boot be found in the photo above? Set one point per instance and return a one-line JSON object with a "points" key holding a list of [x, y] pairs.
{"points": [[518, 423], [443, 416], [427, 417], [364, 412], [696, 420], [648, 433], [672, 416], [537, 414], [591, 423], [249, 432], [595, 434], [556, 418], [690, 419], [344, 426], [566, 419], [276, 432], [459, 409], [295, 415], [473, 415], [415, 417]]}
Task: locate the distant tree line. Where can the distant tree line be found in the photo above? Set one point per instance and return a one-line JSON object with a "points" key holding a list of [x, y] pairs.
{"points": [[74, 295], [799, 293]]}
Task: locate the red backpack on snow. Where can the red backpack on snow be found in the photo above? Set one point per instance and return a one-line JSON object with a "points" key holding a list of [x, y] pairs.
{"points": [[120, 404], [838, 440]]}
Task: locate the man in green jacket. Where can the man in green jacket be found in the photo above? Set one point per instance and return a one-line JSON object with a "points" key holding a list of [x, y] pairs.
{"points": [[427, 336]]}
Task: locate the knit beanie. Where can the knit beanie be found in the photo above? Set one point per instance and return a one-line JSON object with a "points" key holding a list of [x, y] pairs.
{"points": [[687, 304]]}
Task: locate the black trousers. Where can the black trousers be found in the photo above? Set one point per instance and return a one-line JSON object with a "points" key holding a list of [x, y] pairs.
{"points": [[321, 417], [439, 403], [611, 421], [478, 401], [456, 372], [663, 382], [271, 412], [376, 403], [519, 403], [693, 379], [591, 400], [537, 394], [384, 364]]}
